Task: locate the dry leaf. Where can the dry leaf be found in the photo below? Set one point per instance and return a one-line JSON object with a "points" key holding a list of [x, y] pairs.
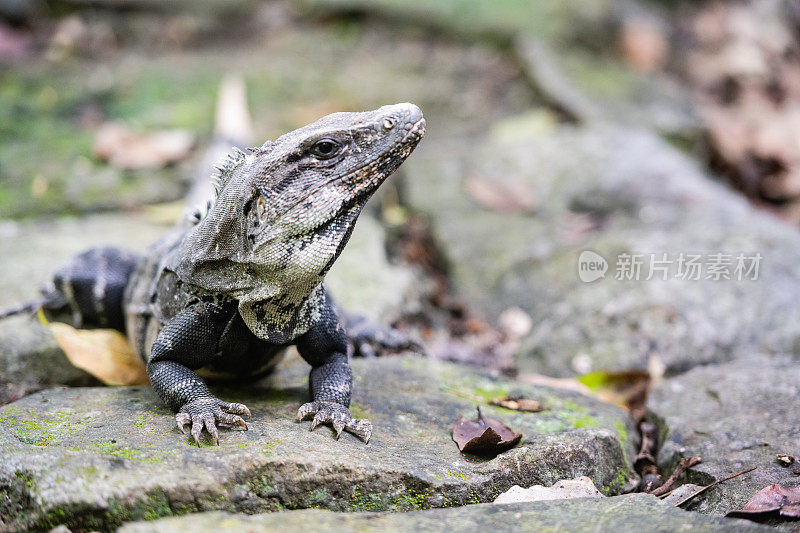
{"points": [[15, 45], [483, 436], [518, 403], [784, 459], [505, 195], [644, 44], [125, 149], [580, 487], [104, 353], [775, 499]]}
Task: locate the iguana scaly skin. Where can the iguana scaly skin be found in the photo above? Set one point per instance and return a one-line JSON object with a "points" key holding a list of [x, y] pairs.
{"points": [[227, 291]]}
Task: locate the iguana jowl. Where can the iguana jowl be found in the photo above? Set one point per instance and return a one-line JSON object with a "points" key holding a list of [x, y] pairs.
{"points": [[228, 291]]}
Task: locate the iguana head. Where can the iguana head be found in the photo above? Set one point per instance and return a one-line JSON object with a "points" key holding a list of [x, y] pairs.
{"points": [[284, 211]]}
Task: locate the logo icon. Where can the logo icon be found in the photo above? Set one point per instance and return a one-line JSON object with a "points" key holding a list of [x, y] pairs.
{"points": [[591, 266]]}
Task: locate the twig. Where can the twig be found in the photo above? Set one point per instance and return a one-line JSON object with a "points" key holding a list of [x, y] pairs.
{"points": [[644, 462], [686, 463], [686, 499]]}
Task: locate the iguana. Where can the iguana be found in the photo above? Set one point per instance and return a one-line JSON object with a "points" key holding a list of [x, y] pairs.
{"points": [[230, 288]]}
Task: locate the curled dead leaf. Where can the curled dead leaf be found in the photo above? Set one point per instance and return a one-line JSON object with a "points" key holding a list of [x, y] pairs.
{"points": [[774, 499], [507, 194], [125, 149], [784, 459], [103, 353], [483, 435], [644, 44], [518, 403]]}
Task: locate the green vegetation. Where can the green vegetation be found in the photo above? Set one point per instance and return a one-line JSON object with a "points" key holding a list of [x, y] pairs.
{"points": [[125, 452], [45, 429]]}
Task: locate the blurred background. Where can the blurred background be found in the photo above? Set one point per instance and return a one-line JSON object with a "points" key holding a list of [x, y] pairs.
{"points": [[85, 84], [554, 126]]}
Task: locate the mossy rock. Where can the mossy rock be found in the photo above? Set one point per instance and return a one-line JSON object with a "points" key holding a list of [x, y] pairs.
{"points": [[95, 457]]}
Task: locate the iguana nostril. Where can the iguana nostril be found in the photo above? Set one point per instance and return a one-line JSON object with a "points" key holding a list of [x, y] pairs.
{"points": [[388, 123]]}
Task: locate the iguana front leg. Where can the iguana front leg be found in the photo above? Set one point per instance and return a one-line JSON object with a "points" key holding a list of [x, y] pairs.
{"points": [[325, 348], [188, 342]]}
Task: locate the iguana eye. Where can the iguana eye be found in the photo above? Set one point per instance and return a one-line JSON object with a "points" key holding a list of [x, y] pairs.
{"points": [[325, 148], [261, 209]]}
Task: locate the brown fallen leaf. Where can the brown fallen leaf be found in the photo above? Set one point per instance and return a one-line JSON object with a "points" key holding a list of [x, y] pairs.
{"points": [[518, 403], [483, 436], [644, 44], [774, 499], [507, 194], [126, 149], [104, 353], [784, 459], [15, 45]]}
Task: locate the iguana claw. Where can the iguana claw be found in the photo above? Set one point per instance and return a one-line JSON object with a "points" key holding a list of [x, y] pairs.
{"points": [[207, 413], [338, 416]]}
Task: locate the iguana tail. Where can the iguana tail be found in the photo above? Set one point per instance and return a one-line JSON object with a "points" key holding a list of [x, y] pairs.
{"points": [[90, 287], [232, 129], [25, 307]]}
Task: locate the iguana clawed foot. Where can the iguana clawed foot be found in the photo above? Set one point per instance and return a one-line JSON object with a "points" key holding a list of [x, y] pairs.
{"points": [[338, 416], [208, 412], [371, 339]]}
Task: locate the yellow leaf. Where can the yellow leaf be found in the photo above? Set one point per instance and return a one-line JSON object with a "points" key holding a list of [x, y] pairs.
{"points": [[104, 353]]}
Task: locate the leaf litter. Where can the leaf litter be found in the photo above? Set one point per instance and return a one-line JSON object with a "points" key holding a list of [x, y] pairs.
{"points": [[770, 501], [483, 435]]}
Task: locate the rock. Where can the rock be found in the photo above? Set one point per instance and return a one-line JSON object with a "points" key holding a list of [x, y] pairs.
{"points": [[588, 88], [92, 458], [557, 20], [612, 191], [549, 40], [564, 489], [735, 416], [633, 512], [30, 358], [679, 494], [363, 281]]}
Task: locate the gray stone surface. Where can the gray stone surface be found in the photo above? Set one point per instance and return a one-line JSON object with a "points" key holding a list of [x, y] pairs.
{"points": [[735, 416], [611, 191], [631, 513], [590, 89], [363, 280], [94, 457]]}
